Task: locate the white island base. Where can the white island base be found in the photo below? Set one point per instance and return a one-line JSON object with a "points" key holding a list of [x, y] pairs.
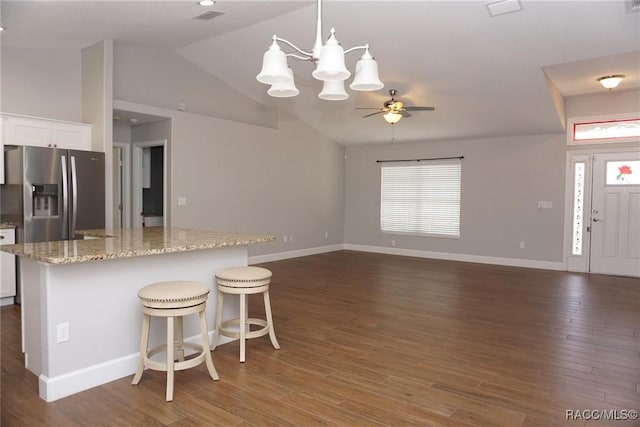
{"points": [[98, 303]]}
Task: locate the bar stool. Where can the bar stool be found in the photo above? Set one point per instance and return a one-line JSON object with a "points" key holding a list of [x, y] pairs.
{"points": [[174, 300], [244, 281]]}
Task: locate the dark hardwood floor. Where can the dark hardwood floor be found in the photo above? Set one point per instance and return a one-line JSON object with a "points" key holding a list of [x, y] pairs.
{"points": [[372, 340]]}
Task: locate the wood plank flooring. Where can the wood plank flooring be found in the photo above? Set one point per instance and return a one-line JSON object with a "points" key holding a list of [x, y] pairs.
{"points": [[370, 340]]}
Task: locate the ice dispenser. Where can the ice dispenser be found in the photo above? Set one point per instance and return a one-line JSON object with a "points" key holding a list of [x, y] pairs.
{"points": [[45, 200]]}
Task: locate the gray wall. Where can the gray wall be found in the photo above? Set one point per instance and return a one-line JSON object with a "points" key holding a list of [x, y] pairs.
{"points": [[163, 78], [243, 178], [502, 181], [42, 83]]}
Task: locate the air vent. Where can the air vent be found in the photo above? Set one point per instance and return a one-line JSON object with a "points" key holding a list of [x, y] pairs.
{"points": [[502, 7], [209, 15], [632, 5]]}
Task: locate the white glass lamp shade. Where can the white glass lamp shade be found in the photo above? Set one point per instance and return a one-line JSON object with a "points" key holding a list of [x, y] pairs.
{"points": [[274, 66], [366, 74], [284, 90], [392, 117], [611, 82], [333, 90], [331, 63]]}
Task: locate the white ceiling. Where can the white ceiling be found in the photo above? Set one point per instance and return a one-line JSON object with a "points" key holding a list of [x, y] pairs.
{"points": [[484, 75]]}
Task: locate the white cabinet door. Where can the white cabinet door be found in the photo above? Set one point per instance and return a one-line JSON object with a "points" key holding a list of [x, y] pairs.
{"points": [[7, 266], [34, 131], [26, 131], [74, 136]]}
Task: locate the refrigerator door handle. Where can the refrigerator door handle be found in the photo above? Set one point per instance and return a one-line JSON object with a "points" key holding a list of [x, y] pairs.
{"points": [[65, 198], [74, 195]]}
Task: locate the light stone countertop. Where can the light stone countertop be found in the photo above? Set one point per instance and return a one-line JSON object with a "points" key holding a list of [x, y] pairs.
{"points": [[126, 243], [4, 226]]}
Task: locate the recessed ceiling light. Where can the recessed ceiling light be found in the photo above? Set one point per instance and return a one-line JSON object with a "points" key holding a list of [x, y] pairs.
{"points": [[206, 2]]}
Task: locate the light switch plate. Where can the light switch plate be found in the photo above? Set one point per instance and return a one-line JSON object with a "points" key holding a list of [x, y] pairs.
{"points": [[545, 205]]}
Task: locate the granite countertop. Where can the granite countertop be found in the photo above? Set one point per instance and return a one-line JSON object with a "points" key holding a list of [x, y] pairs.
{"points": [[5, 226], [126, 243]]}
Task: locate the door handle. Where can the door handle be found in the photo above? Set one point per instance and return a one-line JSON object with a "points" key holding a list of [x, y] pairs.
{"points": [[65, 198], [596, 220]]}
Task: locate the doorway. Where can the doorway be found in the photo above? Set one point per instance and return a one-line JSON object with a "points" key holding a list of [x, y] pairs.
{"points": [[604, 209], [149, 185]]}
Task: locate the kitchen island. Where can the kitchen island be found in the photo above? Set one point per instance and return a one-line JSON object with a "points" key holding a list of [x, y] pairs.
{"points": [[81, 317]]}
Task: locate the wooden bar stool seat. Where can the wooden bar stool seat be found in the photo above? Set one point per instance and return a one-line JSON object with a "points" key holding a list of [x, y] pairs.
{"points": [[244, 281], [174, 300]]}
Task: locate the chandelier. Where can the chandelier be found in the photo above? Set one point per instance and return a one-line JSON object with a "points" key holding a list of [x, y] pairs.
{"points": [[330, 67]]}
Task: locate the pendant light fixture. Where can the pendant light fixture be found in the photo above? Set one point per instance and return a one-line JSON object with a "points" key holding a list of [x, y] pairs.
{"points": [[330, 66]]}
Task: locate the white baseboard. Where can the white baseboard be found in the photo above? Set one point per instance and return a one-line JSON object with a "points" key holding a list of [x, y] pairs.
{"points": [[448, 256], [83, 379], [257, 259], [512, 262]]}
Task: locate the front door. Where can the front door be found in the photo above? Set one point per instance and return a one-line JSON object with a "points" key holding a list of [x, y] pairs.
{"points": [[615, 214]]}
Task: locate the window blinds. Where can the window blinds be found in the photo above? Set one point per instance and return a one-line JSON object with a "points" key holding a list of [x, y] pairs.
{"points": [[421, 199]]}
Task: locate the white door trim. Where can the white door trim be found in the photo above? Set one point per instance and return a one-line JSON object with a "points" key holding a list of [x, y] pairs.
{"points": [[136, 180], [126, 182]]}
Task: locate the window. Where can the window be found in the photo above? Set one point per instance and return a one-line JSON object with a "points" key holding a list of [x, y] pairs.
{"points": [[421, 199], [578, 208], [623, 173], [617, 128]]}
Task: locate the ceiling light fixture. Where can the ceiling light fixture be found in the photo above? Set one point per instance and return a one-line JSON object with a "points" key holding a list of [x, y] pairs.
{"points": [[330, 67], [392, 117], [206, 2], [612, 81]]}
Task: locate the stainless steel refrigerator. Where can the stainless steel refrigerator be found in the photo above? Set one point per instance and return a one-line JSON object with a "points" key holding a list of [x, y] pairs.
{"points": [[50, 193]]}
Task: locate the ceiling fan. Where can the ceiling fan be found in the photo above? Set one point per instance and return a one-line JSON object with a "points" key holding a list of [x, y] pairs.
{"points": [[393, 110]]}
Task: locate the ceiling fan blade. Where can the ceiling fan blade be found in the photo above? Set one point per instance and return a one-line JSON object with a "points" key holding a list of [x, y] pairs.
{"points": [[368, 108], [419, 108], [405, 114], [373, 114]]}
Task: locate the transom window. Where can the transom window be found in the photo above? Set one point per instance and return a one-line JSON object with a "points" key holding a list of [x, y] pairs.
{"points": [[604, 129], [421, 199]]}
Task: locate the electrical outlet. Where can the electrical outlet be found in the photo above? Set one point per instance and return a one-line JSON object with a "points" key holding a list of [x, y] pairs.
{"points": [[521, 244], [285, 238], [326, 234], [393, 243], [291, 238], [62, 332]]}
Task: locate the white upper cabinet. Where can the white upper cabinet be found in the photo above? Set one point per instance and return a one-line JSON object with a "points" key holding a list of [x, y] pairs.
{"points": [[24, 130]]}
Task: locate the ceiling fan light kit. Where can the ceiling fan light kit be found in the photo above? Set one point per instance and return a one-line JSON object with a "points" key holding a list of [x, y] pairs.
{"points": [[393, 110], [392, 117], [330, 66], [611, 82]]}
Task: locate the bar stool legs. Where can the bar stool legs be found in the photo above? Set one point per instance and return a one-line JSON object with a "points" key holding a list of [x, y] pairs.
{"points": [[173, 301], [244, 281]]}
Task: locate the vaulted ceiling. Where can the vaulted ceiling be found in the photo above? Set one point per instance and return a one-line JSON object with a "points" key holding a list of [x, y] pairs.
{"points": [[485, 75]]}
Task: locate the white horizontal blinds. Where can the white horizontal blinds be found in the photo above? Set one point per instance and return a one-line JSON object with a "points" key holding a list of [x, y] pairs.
{"points": [[421, 198]]}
